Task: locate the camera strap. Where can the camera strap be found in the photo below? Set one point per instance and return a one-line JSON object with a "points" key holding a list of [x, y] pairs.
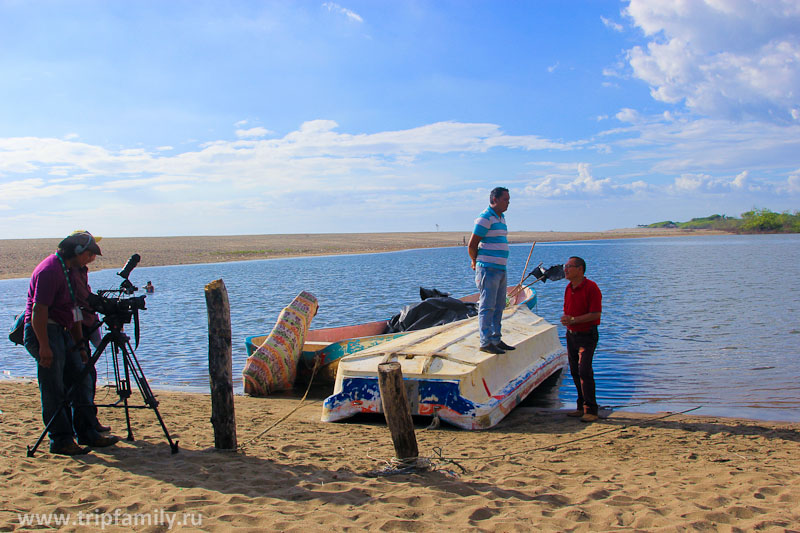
{"points": [[77, 314]]}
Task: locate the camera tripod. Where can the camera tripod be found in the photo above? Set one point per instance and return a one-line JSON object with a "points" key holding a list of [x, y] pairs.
{"points": [[126, 367]]}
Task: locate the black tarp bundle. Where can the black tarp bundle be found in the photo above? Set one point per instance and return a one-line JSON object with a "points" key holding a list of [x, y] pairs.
{"points": [[554, 273], [435, 309]]}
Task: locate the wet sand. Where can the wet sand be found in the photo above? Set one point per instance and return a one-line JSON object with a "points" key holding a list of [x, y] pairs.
{"points": [[18, 257], [537, 470]]}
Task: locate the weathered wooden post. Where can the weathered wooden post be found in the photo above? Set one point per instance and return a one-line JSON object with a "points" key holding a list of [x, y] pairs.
{"points": [[397, 411], [220, 366]]}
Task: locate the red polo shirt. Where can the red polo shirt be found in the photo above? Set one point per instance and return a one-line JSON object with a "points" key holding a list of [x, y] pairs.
{"points": [[585, 298]]}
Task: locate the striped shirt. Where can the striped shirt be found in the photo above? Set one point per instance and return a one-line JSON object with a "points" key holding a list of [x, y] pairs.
{"points": [[493, 248]]}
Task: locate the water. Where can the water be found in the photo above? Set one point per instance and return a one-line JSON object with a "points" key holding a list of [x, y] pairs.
{"points": [[687, 322]]}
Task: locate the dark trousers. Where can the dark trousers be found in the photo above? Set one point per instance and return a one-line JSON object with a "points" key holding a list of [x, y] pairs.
{"points": [[56, 380], [580, 350]]}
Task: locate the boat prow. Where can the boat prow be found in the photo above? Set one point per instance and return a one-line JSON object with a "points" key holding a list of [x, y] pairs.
{"points": [[445, 373]]}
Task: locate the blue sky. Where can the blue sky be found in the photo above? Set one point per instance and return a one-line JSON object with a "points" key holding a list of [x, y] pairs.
{"points": [[195, 118]]}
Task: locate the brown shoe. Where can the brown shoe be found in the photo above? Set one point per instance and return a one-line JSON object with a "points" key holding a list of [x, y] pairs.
{"points": [[577, 413], [589, 417], [68, 448]]}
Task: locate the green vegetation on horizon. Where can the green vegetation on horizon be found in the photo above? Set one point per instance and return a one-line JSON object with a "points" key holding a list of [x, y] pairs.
{"points": [[754, 221]]}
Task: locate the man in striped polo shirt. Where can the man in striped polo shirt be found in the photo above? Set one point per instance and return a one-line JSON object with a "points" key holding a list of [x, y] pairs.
{"points": [[488, 249]]}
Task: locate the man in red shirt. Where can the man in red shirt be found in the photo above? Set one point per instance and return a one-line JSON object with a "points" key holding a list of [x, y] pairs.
{"points": [[583, 304]]}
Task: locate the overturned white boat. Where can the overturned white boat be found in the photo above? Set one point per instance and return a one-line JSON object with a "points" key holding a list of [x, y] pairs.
{"points": [[445, 373]]}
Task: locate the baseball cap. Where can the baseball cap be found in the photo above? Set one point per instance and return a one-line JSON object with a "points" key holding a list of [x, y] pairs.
{"points": [[80, 241]]}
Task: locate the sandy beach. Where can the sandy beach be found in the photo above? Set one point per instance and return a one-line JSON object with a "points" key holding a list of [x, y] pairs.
{"points": [[18, 257], [537, 470]]}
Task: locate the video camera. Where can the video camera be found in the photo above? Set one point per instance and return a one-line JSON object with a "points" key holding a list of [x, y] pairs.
{"points": [[116, 308]]}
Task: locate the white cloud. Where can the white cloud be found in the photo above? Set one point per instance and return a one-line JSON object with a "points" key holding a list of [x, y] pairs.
{"points": [[656, 157], [314, 157], [793, 183], [252, 132], [711, 184], [734, 59], [333, 7], [34, 189], [608, 23], [171, 187], [441, 137], [576, 180], [677, 144], [740, 181], [26, 154], [628, 115], [689, 182]]}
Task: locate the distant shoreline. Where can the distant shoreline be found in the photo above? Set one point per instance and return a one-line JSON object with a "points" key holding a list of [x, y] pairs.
{"points": [[18, 257]]}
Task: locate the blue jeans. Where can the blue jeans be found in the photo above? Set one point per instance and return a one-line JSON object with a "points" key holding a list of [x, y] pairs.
{"points": [[55, 382], [491, 283]]}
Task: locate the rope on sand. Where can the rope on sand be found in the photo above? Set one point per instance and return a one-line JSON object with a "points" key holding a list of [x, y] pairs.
{"points": [[416, 465], [241, 447], [440, 461]]}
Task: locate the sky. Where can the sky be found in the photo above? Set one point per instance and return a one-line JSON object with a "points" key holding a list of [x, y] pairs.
{"points": [[191, 117]]}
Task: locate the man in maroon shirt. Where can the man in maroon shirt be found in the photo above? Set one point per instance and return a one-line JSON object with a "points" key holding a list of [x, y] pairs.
{"points": [[52, 327], [583, 304]]}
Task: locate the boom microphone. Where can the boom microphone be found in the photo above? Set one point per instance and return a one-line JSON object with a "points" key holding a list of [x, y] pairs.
{"points": [[130, 265]]}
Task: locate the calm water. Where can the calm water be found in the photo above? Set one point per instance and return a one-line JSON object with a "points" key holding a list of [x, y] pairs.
{"points": [[687, 322]]}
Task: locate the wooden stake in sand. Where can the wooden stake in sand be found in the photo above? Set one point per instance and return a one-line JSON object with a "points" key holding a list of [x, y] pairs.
{"points": [[397, 411], [220, 366]]}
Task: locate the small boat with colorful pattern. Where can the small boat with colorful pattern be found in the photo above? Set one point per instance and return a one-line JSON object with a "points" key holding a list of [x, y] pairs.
{"points": [[445, 373], [325, 347]]}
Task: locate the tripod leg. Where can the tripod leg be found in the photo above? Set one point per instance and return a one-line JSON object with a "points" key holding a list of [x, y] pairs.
{"points": [[128, 420], [123, 383], [172, 445], [132, 365], [64, 405]]}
